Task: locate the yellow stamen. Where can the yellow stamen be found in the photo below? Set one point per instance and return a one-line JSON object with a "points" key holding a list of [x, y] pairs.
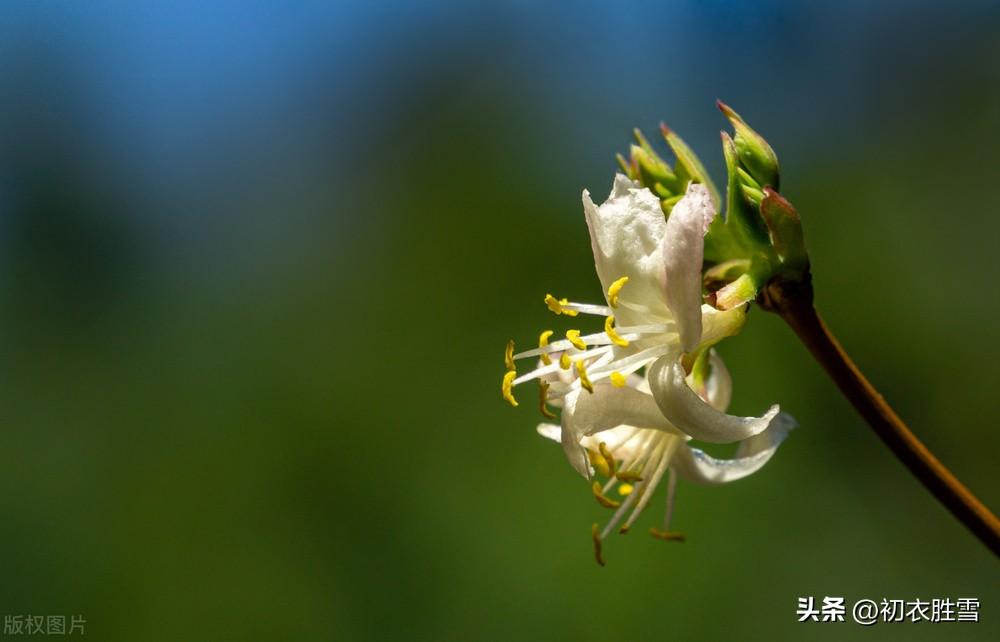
{"points": [[625, 490], [543, 341], [564, 361], [599, 463], [574, 338], [581, 373], [606, 502], [630, 476], [609, 329], [595, 535], [608, 457], [614, 289], [543, 396], [507, 388], [617, 379], [508, 355], [667, 536], [558, 306]]}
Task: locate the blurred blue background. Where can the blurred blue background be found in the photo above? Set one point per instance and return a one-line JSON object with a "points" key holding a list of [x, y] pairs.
{"points": [[258, 262]]}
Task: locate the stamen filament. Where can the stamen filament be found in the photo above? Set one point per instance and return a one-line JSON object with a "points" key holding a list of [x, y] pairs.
{"points": [[596, 339], [650, 486], [632, 498], [564, 363]]}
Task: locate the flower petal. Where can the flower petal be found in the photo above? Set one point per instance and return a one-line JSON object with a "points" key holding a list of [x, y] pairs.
{"points": [[683, 253], [608, 407], [695, 465], [626, 234], [719, 385], [687, 411]]}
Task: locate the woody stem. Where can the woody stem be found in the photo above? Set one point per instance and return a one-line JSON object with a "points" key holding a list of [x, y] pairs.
{"points": [[792, 300]]}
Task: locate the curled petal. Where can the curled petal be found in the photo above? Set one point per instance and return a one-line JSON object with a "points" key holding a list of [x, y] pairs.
{"points": [[608, 407], [697, 466], [719, 385], [550, 431], [685, 409], [683, 253], [626, 233]]}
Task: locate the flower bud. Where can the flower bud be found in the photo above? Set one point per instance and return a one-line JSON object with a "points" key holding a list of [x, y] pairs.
{"points": [[654, 173], [755, 156]]}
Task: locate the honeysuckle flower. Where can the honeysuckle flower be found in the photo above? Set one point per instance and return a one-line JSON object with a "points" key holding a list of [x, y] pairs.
{"points": [[634, 395]]}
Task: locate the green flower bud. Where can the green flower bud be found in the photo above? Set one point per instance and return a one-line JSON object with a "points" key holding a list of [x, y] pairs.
{"points": [[758, 238], [653, 172], [743, 196], [755, 155]]}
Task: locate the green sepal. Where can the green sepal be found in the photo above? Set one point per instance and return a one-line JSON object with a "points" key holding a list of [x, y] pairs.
{"points": [[785, 228]]}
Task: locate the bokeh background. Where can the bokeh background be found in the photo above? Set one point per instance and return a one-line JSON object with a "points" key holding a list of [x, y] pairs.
{"points": [[258, 263]]}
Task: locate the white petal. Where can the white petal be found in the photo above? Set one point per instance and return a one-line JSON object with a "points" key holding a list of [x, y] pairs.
{"points": [[719, 385], [697, 466], [626, 234], [626, 442], [607, 407], [685, 409], [549, 431], [683, 252]]}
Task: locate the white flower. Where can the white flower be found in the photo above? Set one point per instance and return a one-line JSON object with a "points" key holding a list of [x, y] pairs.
{"points": [[634, 395]]}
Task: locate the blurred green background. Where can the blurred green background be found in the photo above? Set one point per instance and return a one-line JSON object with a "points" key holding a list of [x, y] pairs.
{"points": [[260, 260]]}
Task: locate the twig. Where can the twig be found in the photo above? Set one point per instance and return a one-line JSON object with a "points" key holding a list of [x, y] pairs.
{"points": [[792, 300]]}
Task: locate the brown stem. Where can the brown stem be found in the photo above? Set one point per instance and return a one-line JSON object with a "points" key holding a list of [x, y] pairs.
{"points": [[793, 301]]}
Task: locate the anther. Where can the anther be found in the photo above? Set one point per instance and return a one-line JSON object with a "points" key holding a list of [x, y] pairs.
{"points": [[543, 396], [599, 463], [574, 337], [606, 502], [581, 373], [595, 535], [507, 387], [608, 457], [667, 536], [617, 379], [614, 289], [558, 306], [508, 356], [609, 329], [564, 361], [625, 490], [628, 476], [543, 341]]}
